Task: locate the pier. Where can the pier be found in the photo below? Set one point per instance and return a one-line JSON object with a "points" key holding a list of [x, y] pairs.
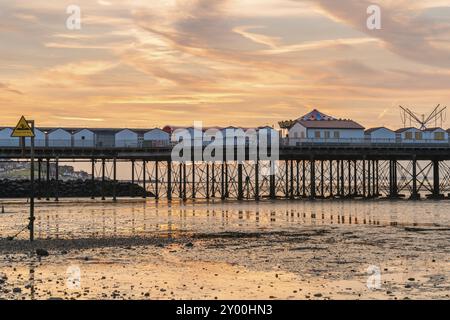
{"points": [[305, 171]]}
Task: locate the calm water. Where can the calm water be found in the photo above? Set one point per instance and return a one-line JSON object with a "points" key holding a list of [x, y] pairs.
{"points": [[85, 219]]}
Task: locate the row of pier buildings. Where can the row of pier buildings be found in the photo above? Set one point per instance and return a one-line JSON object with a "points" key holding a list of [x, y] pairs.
{"points": [[314, 127]]}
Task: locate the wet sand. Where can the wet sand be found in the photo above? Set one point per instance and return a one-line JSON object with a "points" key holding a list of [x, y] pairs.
{"points": [[285, 250]]}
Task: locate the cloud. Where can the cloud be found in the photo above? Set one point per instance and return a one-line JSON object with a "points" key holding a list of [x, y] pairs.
{"points": [[8, 88], [406, 30]]}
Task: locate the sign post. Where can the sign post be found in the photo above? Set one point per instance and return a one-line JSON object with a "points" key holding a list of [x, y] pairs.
{"points": [[25, 129]]}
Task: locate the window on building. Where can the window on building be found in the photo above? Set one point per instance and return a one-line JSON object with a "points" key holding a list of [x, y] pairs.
{"points": [[302, 135], [439, 136], [327, 134], [317, 134], [418, 135], [408, 136], [295, 135], [337, 134]]}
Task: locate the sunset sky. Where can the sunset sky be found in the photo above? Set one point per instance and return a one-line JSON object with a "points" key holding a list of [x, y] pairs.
{"points": [[147, 63]]}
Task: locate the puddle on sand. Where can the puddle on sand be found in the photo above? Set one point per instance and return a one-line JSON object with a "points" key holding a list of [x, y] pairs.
{"points": [[282, 250]]}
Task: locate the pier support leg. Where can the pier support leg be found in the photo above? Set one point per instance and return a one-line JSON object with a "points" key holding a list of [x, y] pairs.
{"points": [[193, 180], [156, 180], [349, 177], [355, 178], [207, 180], [291, 180], [342, 179], [103, 179], [132, 178], [93, 189], [414, 194], [298, 179], [393, 179], [114, 179], [47, 172], [436, 181], [180, 186], [144, 179], [184, 182], [169, 180], [377, 169], [369, 180], [338, 179], [257, 180], [272, 180], [222, 181], [56, 179], [286, 179], [304, 178], [322, 180], [39, 179], [313, 179], [364, 178], [240, 187], [213, 180], [331, 179]]}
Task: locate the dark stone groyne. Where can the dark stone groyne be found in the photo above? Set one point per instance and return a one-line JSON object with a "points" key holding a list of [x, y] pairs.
{"points": [[70, 189]]}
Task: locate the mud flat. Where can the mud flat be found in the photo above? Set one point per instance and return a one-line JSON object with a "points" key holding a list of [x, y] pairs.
{"points": [[226, 252]]}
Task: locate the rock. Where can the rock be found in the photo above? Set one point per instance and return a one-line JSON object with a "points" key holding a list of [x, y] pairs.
{"points": [[189, 244], [318, 295], [411, 279], [17, 290], [42, 253]]}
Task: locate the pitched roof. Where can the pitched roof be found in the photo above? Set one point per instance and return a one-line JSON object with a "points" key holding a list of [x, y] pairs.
{"points": [[377, 128], [433, 129], [331, 124], [315, 115], [405, 129]]}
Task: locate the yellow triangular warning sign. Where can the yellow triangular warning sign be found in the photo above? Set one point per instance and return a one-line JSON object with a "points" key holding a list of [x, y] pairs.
{"points": [[22, 129]]}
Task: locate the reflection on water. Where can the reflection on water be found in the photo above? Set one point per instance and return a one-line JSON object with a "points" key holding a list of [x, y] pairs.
{"points": [[135, 218]]}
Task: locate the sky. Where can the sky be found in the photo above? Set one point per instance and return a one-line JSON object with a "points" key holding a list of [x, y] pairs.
{"points": [[142, 64]]}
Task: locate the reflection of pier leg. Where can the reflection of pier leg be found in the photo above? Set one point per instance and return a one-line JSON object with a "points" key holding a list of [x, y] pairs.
{"points": [[103, 179], [114, 179], [56, 178]]}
